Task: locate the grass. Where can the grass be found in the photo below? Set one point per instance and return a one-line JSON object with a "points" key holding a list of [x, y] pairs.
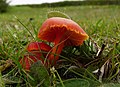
{"points": [[102, 23], [94, 19]]}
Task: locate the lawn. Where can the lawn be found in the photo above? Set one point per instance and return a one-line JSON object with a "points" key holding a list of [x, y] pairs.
{"points": [[20, 25]]}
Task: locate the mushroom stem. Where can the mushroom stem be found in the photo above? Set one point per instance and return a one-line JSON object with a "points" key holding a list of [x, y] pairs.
{"points": [[55, 53], [59, 44]]}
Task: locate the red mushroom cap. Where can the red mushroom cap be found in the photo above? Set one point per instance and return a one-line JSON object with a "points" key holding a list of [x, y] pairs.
{"points": [[52, 26], [37, 46], [35, 53]]}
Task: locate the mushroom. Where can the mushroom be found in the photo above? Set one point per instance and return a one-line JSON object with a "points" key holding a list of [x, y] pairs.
{"points": [[35, 50], [62, 32]]}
